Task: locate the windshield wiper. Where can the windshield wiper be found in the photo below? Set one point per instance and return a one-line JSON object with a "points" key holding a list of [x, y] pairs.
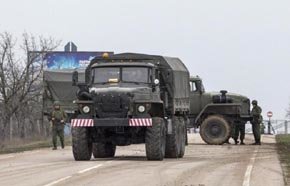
{"points": [[137, 83]]}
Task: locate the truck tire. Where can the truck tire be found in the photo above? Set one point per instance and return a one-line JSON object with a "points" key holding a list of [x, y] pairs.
{"points": [[183, 135], [186, 121], [173, 141], [215, 130], [155, 139], [104, 150], [81, 144]]}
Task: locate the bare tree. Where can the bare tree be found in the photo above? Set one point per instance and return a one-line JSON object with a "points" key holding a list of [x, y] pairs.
{"points": [[288, 112], [20, 74]]}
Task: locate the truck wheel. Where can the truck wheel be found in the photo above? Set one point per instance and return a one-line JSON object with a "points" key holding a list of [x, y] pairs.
{"points": [[186, 137], [155, 139], [81, 144], [215, 130], [173, 141], [104, 150], [183, 135]]}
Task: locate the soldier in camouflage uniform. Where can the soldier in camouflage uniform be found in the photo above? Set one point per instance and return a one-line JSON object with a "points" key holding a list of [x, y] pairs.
{"points": [[256, 121], [239, 130], [58, 117]]}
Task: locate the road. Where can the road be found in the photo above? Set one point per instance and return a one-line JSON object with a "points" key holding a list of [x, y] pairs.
{"points": [[203, 165]]}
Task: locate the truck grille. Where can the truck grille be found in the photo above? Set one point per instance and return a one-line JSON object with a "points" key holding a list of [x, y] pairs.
{"points": [[112, 105]]}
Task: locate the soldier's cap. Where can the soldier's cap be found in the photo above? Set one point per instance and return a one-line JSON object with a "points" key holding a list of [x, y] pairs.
{"points": [[254, 102]]}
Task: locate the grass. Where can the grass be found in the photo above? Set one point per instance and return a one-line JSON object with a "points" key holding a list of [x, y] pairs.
{"points": [[27, 145], [283, 147]]}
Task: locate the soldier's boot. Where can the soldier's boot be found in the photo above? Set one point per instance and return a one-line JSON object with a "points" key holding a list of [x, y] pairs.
{"points": [[242, 142], [62, 145], [54, 146], [236, 141], [256, 143]]}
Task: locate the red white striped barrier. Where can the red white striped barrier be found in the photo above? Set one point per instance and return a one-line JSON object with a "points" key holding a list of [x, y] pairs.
{"points": [[140, 122], [82, 122], [135, 122]]}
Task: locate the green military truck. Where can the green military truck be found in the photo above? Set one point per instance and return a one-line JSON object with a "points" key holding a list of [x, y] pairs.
{"points": [[216, 113], [131, 99], [57, 86]]}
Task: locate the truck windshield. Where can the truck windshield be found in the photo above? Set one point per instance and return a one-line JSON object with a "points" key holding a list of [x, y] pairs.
{"points": [[121, 74]]}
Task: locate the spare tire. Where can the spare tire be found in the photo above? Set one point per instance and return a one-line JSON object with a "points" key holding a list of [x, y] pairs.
{"points": [[215, 130]]}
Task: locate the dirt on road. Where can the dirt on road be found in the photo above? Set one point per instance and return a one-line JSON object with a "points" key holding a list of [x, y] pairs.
{"points": [[203, 165]]}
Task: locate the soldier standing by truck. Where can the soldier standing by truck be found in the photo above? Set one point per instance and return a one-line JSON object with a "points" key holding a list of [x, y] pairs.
{"points": [[256, 120], [58, 117], [239, 132]]}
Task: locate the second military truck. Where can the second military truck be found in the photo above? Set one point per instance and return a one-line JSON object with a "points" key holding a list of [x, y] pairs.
{"points": [[216, 113], [131, 99]]}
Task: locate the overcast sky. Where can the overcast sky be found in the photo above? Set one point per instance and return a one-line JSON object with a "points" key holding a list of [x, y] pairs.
{"points": [[242, 46]]}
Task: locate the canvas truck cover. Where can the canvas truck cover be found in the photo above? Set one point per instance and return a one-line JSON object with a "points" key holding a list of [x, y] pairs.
{"points": [[58, 87], [173, 71]]}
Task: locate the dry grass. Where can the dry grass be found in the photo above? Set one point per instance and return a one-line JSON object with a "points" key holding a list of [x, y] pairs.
{"points": [[19, 145], [283, 147]]}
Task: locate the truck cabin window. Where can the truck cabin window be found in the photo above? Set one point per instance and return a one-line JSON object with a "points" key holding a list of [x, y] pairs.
{"points": [[105, 75], [193, 87], [121, 74]]}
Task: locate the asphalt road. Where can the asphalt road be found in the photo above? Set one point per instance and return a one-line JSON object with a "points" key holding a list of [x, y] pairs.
{"points": [[203, 165]]}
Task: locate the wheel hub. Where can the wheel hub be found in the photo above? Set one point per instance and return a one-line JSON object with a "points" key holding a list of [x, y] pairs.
{"points": [[215, 130]]}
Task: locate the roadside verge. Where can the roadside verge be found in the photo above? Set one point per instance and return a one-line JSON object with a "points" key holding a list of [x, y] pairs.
{"points": [[18, 146], [283, 148]]}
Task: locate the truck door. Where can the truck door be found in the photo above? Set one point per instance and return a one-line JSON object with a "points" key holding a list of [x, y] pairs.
{"points": [[195, 98]]}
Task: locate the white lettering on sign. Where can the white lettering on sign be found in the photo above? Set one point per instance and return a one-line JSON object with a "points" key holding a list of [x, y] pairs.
{"points": [[84, 63]]}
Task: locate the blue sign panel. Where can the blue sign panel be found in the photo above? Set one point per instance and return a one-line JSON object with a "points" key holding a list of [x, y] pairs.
{"points": [[70, 60]]}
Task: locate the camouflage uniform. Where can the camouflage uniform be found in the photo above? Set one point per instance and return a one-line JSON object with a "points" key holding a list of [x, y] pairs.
{"points": [[58, 117], [239, 131], [256, 121]]}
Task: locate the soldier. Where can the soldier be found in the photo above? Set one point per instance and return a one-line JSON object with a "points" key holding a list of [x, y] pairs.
{"points": [[239, 131], [58, 117], [256, 120]]}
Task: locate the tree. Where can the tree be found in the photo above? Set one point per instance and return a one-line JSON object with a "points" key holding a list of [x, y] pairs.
{"points": [[20, 74], [288, 112]]}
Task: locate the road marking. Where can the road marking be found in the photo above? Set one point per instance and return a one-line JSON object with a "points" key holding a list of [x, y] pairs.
{"points": [[247, 177], [89, 169], [6, 157], [79, 172], [58, 181]]}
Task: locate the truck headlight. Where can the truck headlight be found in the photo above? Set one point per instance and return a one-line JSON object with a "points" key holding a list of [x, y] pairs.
{"points": [[86, 109], [141, 108]]}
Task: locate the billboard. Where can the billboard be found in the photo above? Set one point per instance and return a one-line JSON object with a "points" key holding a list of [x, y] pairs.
{"points": [[69, 60]]}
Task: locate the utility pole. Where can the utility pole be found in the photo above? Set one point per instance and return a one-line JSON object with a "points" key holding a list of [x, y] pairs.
{"points": [[269, 114]]}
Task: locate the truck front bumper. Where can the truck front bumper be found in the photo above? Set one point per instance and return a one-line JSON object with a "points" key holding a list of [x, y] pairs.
{"points": [[112, 122]]}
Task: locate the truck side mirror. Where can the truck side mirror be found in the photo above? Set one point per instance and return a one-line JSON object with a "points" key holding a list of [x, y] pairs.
{"points": [[75, 78]]}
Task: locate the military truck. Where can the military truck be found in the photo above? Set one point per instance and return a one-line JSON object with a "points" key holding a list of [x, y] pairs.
{"points": [[216, 113], [128, 99], [57, 86]]}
